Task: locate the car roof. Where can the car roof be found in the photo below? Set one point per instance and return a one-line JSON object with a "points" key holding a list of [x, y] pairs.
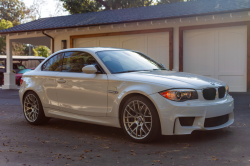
{"points": [[94, 49]]}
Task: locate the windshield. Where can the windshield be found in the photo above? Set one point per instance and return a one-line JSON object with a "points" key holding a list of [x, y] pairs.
{"points": [[24, 71], [128, 61]]}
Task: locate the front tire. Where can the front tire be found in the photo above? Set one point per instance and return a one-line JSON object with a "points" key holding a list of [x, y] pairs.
{"points": [[33, 109], [140, 120]]}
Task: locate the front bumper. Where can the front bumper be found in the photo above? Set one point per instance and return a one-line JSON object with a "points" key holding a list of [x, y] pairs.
{"points": [[199, 125], [171, 111]]}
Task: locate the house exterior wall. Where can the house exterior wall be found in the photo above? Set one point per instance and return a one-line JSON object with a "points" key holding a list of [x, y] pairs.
{"points": [[154, 43], [176, 24], [64, 34]]}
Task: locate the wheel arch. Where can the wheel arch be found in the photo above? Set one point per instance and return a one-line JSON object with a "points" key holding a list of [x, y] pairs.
{"points": [[41, 117], [30, 90], [125, 98]]}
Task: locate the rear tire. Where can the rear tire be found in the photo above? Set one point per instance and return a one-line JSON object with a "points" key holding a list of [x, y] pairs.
{"points": [[140, 120], [33, 109]]}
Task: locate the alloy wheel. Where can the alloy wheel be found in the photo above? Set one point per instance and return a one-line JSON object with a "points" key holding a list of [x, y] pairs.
{"points": [[31, 108], [137, 119]]}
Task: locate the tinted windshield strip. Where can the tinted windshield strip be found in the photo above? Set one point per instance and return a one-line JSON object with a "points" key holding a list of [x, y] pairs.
{"points": [[131, 71]]}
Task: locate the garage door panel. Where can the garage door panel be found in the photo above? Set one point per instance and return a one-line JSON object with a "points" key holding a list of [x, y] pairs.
{"points": [[85, 43], [202, 73], [199, 52], [208, 76], [236, 83], [231, 45], [230, 73], [219, 51], [158, 47], [155, 45], [109, 42], [231, 63], [133, 42]]}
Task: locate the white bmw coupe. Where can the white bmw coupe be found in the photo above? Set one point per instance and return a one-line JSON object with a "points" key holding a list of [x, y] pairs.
{"points": [[125, 89]]}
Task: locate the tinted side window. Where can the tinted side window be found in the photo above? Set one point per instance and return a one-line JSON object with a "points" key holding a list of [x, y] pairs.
{"points": [[75, 61], [54, 63]]}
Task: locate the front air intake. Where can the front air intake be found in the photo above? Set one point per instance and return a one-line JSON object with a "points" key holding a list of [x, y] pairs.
{"points": [[186, 121], [216, 121]]}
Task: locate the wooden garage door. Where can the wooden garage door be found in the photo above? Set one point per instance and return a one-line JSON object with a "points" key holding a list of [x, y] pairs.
{"points": [[219, 53], [155, 45]]}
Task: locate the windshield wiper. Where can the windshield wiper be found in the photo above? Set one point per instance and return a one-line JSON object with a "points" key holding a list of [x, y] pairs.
{"points": [[129, 71]]}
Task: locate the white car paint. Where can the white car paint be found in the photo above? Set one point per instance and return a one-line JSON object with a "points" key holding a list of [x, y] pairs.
{"points": [[86, 97], [83, 94]]}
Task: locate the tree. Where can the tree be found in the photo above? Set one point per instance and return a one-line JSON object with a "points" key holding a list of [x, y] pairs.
{"points": [[34, 12], [4, 25], [12, 10], [58, 9], [18, 49], [41, 51], [85, 6]]}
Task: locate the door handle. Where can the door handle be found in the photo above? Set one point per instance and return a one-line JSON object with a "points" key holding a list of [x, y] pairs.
{"points": [[61, 81]]}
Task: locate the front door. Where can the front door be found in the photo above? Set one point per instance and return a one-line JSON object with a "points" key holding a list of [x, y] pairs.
{"points": [[47, 80], [78, 92]]}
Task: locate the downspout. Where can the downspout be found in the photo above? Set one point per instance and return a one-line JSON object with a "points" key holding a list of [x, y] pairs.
{"points": [[52, 41]]}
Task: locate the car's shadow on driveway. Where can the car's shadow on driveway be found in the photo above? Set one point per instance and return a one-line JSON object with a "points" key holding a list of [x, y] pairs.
{"points": [[196, 137], [117, 134]]}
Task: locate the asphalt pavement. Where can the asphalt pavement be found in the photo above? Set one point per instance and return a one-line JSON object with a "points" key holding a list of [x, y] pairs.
{"points": [[62, 142]]}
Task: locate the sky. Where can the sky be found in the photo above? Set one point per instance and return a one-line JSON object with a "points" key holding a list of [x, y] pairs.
{"points": [[47, 8]]}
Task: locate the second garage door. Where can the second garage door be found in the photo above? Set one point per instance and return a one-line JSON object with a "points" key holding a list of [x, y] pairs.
{"points": [[155, 45], [219, 53]]}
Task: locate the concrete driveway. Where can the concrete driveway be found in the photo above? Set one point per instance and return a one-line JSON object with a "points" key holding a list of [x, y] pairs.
{"points": [[62, 142]]}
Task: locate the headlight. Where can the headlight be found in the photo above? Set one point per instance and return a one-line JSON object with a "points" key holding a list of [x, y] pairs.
{"points": [[180, 94], [227, 90]]}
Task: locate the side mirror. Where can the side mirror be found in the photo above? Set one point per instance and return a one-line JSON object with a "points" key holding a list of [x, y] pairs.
{"points": [[90, 69], [162, 65]]}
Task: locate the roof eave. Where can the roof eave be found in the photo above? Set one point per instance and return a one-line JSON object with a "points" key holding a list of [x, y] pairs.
{"points": [[162, 18]]}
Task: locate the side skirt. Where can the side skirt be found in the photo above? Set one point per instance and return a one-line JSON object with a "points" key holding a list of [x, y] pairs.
{"points": [[105, 121]]}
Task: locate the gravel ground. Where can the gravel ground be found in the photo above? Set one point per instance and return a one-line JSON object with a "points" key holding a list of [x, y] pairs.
{"points": [[62, 142]]}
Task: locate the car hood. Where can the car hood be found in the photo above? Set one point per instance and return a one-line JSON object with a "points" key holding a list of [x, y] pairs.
{"points": [[172, 79]]}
